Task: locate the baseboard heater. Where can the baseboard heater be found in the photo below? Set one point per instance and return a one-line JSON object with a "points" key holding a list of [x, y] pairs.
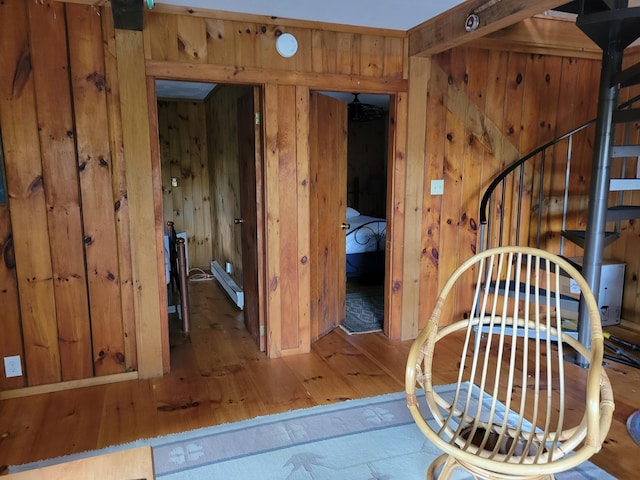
{"points": [[228, 284]]}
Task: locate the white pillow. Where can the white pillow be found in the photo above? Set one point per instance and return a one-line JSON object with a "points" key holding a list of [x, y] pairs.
{"points": [[352, 212]]}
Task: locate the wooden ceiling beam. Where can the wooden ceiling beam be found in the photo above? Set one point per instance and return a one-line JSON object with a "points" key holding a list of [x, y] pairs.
{"points": [[448, 29], [542, 35]]}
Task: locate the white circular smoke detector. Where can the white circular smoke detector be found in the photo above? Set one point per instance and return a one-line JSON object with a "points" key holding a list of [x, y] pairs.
{"points": [[287, 45]]}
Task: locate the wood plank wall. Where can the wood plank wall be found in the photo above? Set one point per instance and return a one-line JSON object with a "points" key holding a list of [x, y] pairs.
{"points": [[245, 45], [223, 50], [480, 110], [184, 136], [62, 248], [78, 285], [288, 229], [11, 340], [485, 109], [224, 165]]}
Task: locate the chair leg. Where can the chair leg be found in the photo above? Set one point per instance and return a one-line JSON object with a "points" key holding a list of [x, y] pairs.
{"points": [[448, 464], [443, 467], [435, 465]]}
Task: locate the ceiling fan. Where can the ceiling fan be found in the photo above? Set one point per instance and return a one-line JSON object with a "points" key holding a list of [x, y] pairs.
{"points": [[363, 112]]}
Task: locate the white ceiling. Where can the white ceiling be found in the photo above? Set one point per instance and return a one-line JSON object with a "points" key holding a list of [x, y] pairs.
{"points": [[392, 14], [184, 90]]}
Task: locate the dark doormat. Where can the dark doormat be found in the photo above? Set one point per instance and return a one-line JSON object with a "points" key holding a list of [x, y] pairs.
{"points": [[364, 311]]}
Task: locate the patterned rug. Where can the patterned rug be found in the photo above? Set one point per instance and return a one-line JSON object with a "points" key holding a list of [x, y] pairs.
{"points": [[371, 438], [633, 426], [364, 310]]}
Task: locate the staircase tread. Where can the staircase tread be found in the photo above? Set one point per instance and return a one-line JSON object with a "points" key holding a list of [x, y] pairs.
{"points": [[627, 115], [631, 150], [583, 233], [623, 212], [567, 302], [579, 237], [575, 262], [624, 184], [628, 77]]}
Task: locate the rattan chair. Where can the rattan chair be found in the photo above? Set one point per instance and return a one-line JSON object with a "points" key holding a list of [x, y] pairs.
{"points": [[507, 411]]}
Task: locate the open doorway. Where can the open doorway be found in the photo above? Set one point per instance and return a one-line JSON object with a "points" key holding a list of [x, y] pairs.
{"points": [[363, 209], [210, 148]]}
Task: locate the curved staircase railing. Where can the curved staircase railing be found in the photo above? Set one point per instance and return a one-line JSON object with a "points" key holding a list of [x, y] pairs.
{"points": [[513, 179]]}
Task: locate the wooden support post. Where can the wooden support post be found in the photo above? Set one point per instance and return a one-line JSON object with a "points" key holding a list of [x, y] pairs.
{"points": [[139, 175]]}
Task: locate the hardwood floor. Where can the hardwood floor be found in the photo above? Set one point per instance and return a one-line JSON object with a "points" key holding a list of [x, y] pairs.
{"points": [[219, 376]]}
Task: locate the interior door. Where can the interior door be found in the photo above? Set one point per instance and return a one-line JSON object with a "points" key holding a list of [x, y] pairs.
{"points": [[328, 196], [251, 207]]}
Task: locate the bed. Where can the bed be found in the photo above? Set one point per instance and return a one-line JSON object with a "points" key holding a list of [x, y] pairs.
{"points": [[366, 238]]}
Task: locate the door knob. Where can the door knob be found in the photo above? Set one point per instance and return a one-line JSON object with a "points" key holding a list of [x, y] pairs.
{"points": [[238, 221], [345, 226]]}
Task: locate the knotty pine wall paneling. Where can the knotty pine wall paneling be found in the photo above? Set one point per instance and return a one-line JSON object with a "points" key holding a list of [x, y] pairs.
{"points": [[506, 102], [67, 257], [579, 102], [498, 106], [95, 171], [276, 329], [435, 110], [121, 198], [248, 45], [413, 192], [170, 161], [224, 162], [304, 217], [243, 52], [287, 235], [201, 193], [454, 182], [62, 192], [142, 176], [396, 178], [183, 121], [494, 108], [25, 187], [201, 47], [161, 350], [183, 136], [282, 172], [540, 124], [11, 338]]}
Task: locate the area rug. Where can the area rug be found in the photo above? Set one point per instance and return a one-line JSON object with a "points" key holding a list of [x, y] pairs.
{"points": [[633, 426], [369, 439], [364, 311]]}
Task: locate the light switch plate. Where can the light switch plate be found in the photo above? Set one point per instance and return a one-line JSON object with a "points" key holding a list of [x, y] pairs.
{"points": [[437, 187], [12, 366]]}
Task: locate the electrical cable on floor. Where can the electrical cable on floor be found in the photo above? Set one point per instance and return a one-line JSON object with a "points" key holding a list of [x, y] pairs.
{"points": [[200, 275]]}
